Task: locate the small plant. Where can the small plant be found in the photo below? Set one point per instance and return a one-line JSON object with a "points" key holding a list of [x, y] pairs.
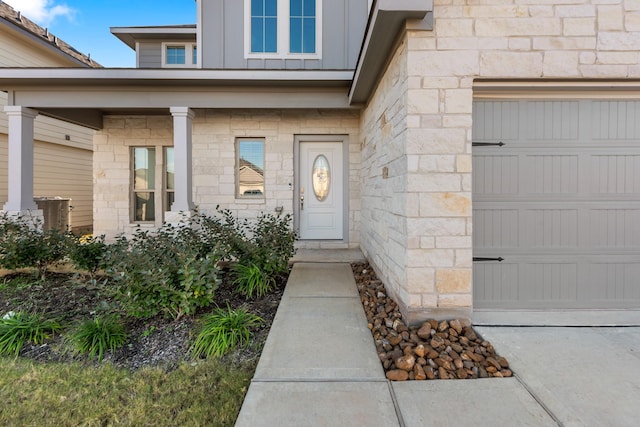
{"points": [[224, 330], [87, 252], [251, 281], [18, 328], [24, 245], [97, 336]]}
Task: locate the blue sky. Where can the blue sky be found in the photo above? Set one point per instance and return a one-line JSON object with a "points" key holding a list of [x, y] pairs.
{"points": [[84, 24]]}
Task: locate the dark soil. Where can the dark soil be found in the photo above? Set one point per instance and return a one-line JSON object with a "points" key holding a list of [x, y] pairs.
{"points": [[156, 342]]}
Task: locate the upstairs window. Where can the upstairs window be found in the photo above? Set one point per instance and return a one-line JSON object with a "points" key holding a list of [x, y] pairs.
{"points": [[179, 55], [283, 28]]}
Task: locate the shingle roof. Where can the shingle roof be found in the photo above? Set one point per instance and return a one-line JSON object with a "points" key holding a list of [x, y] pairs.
{"points": [[14, 17]]}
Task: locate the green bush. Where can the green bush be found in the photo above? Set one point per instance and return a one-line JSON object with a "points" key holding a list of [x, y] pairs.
{"points": [[18, 328], [250, 280], [87, 253], [24, 245], [224, 330], [95, 337], [164, 272], [266, 244]]}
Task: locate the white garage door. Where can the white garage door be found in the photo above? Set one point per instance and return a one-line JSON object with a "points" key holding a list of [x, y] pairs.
{"points": [[559, 202]]}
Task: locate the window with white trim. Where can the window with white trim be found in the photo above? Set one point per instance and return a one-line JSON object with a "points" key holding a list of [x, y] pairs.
{"points": [[283, 29], [250, 168], [176, 55], [152, 183]]}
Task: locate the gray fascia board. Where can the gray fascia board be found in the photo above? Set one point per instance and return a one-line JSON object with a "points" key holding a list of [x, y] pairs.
{"points": [[129, 35], [24, 77], [387, 19]]}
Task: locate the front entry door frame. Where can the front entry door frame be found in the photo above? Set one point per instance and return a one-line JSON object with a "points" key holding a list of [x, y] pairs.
{"points": [[338, 139]]}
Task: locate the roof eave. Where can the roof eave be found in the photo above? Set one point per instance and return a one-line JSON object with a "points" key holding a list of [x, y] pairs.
{"points": [[129, 35], [387, 20]]}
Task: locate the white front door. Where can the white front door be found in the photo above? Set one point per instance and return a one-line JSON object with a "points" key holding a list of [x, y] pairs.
{"points": [[320, 191]]}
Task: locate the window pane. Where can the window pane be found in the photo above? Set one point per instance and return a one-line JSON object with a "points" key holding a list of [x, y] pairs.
{"points": [[295, 7], [170, 169], [295, 36], [257, 7], [169, 200], [271, 8], [145, 207], [309, 35], [271, 35], [175, 54], [309, 8], [257, 34], [250, 173], [144, 164]]}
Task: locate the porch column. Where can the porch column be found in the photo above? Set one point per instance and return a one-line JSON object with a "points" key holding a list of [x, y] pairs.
{"points": [[20, 164], [182, 135]]}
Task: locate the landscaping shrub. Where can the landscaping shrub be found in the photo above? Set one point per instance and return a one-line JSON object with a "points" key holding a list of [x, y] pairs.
{"points": [[95, 337], [164, 271], [18, 328], [224, 330], [23, 244], [87, 253], [261, 248]]}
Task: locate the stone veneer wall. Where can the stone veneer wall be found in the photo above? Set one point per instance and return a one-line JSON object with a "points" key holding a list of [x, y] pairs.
{"points": [[214, 133], [434, 71]]}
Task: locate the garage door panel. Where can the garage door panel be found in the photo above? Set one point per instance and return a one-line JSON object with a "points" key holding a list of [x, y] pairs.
{"points": [[497, 228], [615, 173], [614, 228], [498, 120], [614, 283], [550, 174], [503, 177], [496, 282], [561, 204], [551, 120]]}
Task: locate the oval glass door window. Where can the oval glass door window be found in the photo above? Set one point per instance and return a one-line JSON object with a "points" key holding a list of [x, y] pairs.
{"points": [[321, 177]]}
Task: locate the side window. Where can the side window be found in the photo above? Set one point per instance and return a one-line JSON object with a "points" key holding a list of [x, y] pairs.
{"points": [[250, 168], [179, 55], [144, 176], [169, 178]]}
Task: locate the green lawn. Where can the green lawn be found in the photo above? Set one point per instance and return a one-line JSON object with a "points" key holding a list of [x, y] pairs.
{"points": [[206, 393]]}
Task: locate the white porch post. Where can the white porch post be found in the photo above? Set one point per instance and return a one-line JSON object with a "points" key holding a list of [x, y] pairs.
{"points": [[20, 194], [182, 136]]}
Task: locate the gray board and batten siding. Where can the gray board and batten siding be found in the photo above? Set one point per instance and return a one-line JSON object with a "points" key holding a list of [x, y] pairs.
{"points": [[222, 37], [559, 201]]}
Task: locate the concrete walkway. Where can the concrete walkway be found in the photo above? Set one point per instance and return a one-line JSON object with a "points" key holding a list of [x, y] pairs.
{"points": [[319, 368]]}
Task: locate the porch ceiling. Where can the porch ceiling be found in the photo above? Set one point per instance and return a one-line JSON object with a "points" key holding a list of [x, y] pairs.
{"points": [[83, 96]]}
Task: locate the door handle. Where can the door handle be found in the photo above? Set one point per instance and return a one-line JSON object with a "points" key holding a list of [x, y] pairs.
{"points": [[302, 199]]}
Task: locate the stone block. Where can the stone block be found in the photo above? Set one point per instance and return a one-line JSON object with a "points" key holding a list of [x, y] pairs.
{"points": [[613, 58], [436, 141], [587, 58], [437, 226], [422, 101], [610, 18], [511, 64], [618, 41], [453, 242], [430, 258], [575, 11], [421, 280], [464, 258], [604, 71], [561, 64], [428, 182], [632, 21], [519, 43], [463, 163], [444, 63], [495, 11], [455, 27], [454, 281], [579, 27], [508, 27], [445, 204], [437, 163], [455, 300], [458, 101]]}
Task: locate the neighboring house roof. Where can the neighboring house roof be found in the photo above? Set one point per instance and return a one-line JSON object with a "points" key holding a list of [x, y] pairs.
{"points": [[15, 18], [247, 164], [129, 35]]}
